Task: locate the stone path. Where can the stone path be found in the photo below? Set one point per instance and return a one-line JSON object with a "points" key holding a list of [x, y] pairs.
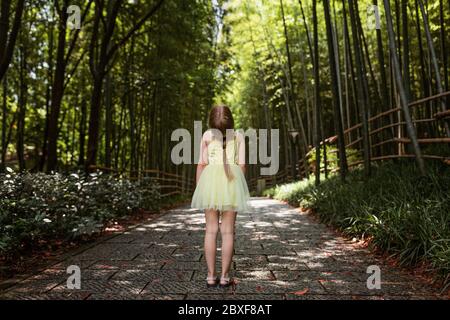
{"points": [[280, 254]]}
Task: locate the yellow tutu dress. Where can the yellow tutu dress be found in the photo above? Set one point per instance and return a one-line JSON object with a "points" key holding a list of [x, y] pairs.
{"points": [[214, 190]]}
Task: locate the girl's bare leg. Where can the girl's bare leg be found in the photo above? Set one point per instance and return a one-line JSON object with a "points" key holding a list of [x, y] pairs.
{"points": [[212, 228], [227, 233]]}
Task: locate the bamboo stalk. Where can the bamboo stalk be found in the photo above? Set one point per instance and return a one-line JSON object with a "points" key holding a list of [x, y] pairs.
{"points": [[424, 141], [170, 194], [430, 98], [442, 115]]}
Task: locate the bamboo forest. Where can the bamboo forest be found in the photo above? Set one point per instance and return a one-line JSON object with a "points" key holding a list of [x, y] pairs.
{"points": [[355, 94]]}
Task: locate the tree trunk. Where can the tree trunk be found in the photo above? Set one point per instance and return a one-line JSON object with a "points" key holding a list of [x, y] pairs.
{"points": [[82, 132], [47, 98], [101, 53], [94, 122], [406, 61], [403, 98], [22, 105], [423, 71], [4, 115], [317, 131], [335, 89], [360, 91], [8, 42], [444, 53], [108, 120], [435, 64], [57, 91]]}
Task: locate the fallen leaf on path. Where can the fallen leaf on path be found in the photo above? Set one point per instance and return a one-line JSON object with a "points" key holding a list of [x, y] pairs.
{"points": [[167, 261], [301, 292]]}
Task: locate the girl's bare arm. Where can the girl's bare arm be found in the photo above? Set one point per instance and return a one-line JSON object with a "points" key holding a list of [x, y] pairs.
{"points": [[241, 153], [200, 168], [203, 159]]}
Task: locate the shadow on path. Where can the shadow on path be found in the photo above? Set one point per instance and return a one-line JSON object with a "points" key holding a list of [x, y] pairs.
{"points": [[280, 254]]}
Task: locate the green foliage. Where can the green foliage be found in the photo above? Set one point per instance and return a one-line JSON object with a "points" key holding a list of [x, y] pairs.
{"points": [[163, 79], [332, 157], [402, 213], [37, 206]]}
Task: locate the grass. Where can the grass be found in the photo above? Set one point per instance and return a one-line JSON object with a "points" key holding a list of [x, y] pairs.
{"points": [[403, 214]]}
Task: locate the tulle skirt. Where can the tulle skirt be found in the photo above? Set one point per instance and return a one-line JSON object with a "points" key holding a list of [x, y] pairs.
{"points": [[215, 191]]}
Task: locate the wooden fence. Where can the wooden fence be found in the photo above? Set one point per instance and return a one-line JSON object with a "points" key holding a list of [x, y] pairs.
{"points": [[387, 141], [170, 184], [387, 137]]}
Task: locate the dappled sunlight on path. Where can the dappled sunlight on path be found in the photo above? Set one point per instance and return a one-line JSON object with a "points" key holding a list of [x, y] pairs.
{"points": [[281, 253]]}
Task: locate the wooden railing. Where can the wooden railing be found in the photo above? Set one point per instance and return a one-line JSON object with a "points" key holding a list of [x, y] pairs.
{"points": [[400, 140], [380, 141], [169, 184], [173, 184]]}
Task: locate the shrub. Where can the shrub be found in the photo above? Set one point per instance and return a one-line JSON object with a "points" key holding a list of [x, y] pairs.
{"points": [[403, 213], [37, 206], [353, 155]]}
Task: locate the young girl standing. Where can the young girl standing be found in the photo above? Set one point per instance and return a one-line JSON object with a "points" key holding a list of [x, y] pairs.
{"points": [[221, 188]]}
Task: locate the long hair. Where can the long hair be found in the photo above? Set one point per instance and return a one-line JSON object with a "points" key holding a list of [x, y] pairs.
{"points": [[221, 118]]}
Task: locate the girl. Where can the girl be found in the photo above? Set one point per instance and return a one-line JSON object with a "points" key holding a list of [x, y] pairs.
{"points": [[221, 187]]}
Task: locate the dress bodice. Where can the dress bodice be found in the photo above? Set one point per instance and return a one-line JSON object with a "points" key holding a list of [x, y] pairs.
{"points": [[215, 152]]}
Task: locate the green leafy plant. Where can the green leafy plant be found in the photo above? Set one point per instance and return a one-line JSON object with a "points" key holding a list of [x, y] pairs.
{"points": [[37, 206], [402, 213]]}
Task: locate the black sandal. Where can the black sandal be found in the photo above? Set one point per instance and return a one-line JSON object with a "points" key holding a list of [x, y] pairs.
{"points": [[212, 285], [228, 282]]}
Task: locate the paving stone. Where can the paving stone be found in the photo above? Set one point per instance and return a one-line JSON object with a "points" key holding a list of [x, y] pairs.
{"points": [[255, 275], [122, 238], [329, 264], [160, 249], [307, 296], [387, 275], [280, 253], [360, 288], [253, 297], [152, 275], [154, 256], [253, 265], [128, 265], [182, 265], [86, 274], [253, 251], [205, 296], [241, 258], [116, 286], [112, 251], [176, 287], [83, 264], [115, 296], [178, 255], [247, 275], [315, 276], [35, 286], [278, 266], [416, 298], [181, 255], [45, 296], [275, 287]]}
